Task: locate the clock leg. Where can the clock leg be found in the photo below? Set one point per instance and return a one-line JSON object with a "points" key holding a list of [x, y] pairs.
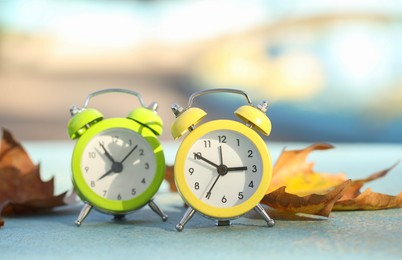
{"points": [[83, 214], [223, 223], [157, 210], [260, 210], [187, 216], [119, 217]]}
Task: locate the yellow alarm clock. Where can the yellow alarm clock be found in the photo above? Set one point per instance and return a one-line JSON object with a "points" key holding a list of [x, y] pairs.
{"points": [[118, 163], [223, 167]]}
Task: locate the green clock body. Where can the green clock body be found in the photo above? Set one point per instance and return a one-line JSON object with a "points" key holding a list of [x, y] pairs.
{"points": [[117, 165]]}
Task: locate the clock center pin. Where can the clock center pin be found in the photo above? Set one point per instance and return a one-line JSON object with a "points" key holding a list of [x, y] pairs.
{"points": [[222, 170], [117, 167]]}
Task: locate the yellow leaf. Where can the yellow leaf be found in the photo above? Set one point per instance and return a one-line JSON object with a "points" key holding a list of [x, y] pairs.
{"points": [[293, 171]]}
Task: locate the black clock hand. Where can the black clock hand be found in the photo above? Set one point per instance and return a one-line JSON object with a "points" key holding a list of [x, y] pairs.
{"points": [[198, 156], [106, 174], [220, 155], [131, 151], [221, 171], [117, 167], [241, 168], [107, 153], [213, 185]]}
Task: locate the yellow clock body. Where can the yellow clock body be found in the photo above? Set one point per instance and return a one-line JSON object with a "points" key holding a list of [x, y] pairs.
{"points": [[223, 169]]}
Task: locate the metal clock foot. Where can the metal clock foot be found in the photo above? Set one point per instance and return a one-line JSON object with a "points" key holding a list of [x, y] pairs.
{"points": [[157, 210], [83, 214], [223, 223], [260, 210], [186, 217], [119, 217]]}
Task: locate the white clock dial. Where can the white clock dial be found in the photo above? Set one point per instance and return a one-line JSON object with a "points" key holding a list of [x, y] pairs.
{"points": [[223, 168], [118, 164]]}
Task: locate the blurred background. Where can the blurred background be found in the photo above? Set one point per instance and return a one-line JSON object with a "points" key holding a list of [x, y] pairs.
{"points": [[331, 70]]}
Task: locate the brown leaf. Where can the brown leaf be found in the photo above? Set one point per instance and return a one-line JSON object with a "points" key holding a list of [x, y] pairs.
{"points": [[13, 154], [353, 199], [169, 177], [18, 187], [33, 206], [353, 190], [21, 189], [369, 200], [311, 204]]}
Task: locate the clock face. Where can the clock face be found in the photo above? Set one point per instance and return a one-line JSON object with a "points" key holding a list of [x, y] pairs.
{"points": [[223, 168], [118, 164]]}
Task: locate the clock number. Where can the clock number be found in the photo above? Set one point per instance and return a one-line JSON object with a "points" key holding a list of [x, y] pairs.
{"points": [[143, 181], [251, 184], [250, 153], [104, 193], [119, 197], [142, 152], [191, 171], [86, 168], [133, 191], [224, 199], [238, 141], [92, 184], [254, 168], [92, 155], [197, 186], [241, 196], [130, 142], [146, 166], [115, 139], [207, 143], [197, 156], [222, 138]]}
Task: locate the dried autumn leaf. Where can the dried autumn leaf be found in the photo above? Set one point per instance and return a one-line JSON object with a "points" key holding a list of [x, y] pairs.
{"points": [[293, 171], [21, 188], [13, 154], [354, 188], [306, 191], [169, 177], [313, 204], [353, 199], [369, 200]]}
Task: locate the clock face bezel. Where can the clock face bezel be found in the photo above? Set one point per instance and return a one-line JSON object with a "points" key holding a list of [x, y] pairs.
{"points": [[116, 206], [183, 155]]}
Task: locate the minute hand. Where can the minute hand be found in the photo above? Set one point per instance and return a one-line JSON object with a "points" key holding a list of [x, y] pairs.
{"points": [[241, 168], [131, 151]]}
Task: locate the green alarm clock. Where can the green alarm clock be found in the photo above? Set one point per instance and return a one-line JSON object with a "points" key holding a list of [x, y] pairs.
{"points": [[117, 164]]}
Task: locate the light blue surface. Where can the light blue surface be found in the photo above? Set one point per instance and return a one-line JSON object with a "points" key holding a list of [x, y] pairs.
{"points": [[345, 235]]}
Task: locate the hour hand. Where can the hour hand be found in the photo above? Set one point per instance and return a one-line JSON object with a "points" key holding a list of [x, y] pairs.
{"points": [[198, 156], [107, 153]]}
